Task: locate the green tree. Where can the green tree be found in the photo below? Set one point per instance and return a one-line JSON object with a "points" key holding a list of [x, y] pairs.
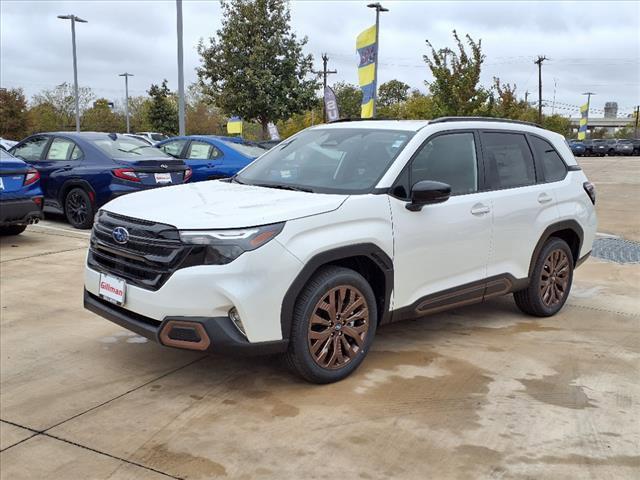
{"points": [[139, 113], [162, 113], [455, 87], [392, 92], [100, 118], [255, 66], [557, 123], [202, 117], [349, 99], [43, 118], [14, 118], [62, 102]]}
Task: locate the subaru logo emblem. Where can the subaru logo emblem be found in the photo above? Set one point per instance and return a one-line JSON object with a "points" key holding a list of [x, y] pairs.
{"points": [[120, 235]]}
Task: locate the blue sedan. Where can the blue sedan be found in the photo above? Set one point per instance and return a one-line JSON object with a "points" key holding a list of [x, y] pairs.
{"points": [[80, 172], [20, 195], [211, 157]]}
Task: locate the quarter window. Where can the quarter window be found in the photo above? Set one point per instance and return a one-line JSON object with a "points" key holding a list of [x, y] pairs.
{"points": [[450, 159], [552, 165], [508, 160], [32, 149], [60, 149]]}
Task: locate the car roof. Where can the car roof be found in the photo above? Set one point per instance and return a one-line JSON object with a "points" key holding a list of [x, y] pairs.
{"points": [[416, 125]]}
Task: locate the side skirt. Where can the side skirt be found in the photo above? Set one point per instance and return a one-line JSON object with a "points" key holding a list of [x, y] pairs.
{"points": [[468, 294]]}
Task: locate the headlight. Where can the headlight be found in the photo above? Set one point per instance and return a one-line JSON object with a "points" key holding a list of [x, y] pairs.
{"points": [[220, 247]]}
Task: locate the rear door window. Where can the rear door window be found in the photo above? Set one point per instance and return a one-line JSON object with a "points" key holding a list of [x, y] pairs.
{"points": [[508, 160], [60, 149], [199, 150], [553, 167]]}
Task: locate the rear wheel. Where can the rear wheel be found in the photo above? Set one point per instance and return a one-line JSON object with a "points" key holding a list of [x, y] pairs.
{"points": [[12, 230], [334, 323], [78, 208], [550, 282]]}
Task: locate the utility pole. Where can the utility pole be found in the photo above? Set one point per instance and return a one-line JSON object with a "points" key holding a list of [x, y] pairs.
{"points": [[324, 72], [126, 96], [181, 125], [635, 129], [74, 19], [541, 58], [553, 105], [379, 8], [526, 97]]}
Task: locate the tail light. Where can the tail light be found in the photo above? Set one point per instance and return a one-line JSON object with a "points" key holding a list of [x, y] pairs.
{"points": [[31, 177], [187, 174], [37, 201], [590, 188], [126, 174]]}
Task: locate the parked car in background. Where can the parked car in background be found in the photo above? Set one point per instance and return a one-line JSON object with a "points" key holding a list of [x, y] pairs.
{"points": [[139, 137], [212, 157], [577, 148], [268, 144], [611, 145], [623, 147], [6, 144], [20, 195], [153, 137], [80, 172], [599, 148], [636, 146]]}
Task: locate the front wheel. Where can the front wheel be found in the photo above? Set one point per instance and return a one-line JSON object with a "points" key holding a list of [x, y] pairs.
{"points": [[550, 282], [334, 322], [78, 208]]}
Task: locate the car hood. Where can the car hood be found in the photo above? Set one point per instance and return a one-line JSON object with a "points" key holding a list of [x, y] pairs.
{"points": [[215, 204]]}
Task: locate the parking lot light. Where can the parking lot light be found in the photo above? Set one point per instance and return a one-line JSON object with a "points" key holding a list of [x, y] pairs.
{"points": [[74, 19]]}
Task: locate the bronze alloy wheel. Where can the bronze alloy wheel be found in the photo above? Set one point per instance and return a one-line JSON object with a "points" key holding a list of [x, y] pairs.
{"points": [[338, 327], [554, 278]]}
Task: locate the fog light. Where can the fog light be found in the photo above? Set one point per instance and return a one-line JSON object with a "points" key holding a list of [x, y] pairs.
{"points": [[235, 318]]}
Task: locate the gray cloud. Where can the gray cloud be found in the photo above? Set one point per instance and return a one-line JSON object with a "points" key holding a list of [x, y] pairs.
{"points": [[591, 45]]}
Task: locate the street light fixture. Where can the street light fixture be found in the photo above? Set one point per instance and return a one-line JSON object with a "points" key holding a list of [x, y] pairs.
{"points": [[74, 19], [379, 8], [126, 95]]}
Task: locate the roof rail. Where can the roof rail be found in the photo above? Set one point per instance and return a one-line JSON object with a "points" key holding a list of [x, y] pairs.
{"points": [[340, 120], [482, 119]]}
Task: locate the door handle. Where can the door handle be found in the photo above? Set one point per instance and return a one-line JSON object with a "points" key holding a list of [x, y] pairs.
{"points": [[544, 198], [480, 209]]}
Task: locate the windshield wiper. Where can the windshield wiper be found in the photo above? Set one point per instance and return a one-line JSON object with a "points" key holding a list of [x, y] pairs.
{"points": [[284, 187]]}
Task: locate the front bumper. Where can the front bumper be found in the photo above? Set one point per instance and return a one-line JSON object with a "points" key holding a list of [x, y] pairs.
{"points": [[209, 334], [19, 212]]}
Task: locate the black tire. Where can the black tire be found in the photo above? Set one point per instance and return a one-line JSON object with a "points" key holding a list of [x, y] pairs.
{"points": [[544, 298], [12, 230], [326, 282], [78, 208]]}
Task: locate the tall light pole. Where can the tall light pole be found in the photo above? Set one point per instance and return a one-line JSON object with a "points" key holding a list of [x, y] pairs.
{"points": [[74, 19], [181, 126], [126, 96], [379, 8]]}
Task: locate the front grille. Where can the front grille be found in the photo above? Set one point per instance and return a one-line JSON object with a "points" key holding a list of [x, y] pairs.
{"points": [[149, 257]]}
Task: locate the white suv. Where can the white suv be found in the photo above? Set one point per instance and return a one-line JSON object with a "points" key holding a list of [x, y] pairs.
{"points": [[341, 229]]}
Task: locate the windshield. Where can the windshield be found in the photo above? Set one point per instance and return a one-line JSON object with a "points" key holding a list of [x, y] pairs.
{"points": [[346, 160], [158, 137], [128, 148], [245, 149]]}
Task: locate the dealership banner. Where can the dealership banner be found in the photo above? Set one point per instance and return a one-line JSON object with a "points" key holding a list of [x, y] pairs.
{"points": [[368, 51], [331, 105], [234, 125], [584, 118]]}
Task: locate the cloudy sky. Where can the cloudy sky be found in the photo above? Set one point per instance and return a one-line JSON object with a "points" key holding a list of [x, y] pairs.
{"points": [[592, 46]]}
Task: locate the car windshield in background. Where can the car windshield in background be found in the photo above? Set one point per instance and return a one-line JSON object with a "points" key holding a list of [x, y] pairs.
{"points": [[158, 137], [245, 149], [331, 160], [128, 148]]}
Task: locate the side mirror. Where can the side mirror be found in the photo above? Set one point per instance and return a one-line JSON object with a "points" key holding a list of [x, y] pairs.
{"points": [[428, 192]]}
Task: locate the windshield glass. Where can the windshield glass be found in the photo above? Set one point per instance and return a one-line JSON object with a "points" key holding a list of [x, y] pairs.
{"points": [[245, 149], [347, 160], [158, 137], [128, 148]]}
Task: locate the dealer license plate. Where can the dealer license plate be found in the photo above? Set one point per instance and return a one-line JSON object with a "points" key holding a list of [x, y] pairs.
{"points": [[112, 289], [163, 177]]}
